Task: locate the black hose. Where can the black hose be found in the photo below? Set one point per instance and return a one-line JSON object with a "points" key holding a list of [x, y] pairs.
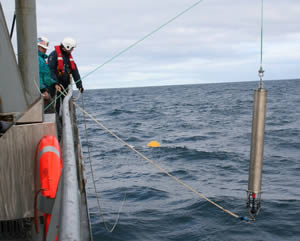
{"points": [[13, 26]]}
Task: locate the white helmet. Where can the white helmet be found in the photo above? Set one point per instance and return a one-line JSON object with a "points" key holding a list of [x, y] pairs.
{"points": [[68, 43], [43, 42]]}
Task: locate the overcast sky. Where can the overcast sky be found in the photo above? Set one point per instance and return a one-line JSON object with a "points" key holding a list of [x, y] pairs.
{"points": [[217, 41]]}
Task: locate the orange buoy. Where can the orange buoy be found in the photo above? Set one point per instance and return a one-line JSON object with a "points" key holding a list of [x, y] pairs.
{"points": [[153, 144], [50, 162], [50, 169]]}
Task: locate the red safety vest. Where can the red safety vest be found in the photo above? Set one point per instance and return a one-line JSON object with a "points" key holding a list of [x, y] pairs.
{"points": [[60, 60]]}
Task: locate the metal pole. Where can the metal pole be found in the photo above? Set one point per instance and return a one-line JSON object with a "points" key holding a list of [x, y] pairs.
{"points": [[27, 48], [70, 206]]}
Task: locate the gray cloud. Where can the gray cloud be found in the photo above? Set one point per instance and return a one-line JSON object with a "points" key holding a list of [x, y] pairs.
{"points": [[216, 41]]}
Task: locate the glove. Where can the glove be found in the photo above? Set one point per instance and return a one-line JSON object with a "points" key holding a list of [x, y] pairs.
{"points": [[46, 95], [57, 87], [81, 89]]}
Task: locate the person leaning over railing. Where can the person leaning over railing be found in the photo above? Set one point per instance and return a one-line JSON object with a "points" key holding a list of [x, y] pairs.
{"points": [[47, 84], [62, 66]]}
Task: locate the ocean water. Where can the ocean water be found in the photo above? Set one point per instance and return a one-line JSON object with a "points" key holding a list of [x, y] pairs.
{"points": [[204, 132]]}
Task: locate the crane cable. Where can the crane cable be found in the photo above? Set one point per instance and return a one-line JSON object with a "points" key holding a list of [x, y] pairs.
{"points": [[261, 70]]}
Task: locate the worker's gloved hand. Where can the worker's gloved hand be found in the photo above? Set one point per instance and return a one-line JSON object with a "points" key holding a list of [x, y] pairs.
{"points": [[57, 87], [81, 90], [46, 95]]}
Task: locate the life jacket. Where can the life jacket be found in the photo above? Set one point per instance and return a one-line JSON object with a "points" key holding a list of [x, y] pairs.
{"points": [[60, 60]]}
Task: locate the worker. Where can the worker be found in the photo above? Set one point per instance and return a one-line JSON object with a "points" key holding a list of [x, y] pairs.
{"points": [[47, 84], [62, 66]]}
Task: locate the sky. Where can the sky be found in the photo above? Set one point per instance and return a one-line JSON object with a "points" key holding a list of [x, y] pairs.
{"points": [[216, 41]]}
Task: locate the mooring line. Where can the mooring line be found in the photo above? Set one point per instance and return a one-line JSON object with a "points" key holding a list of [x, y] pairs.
{"points": [[246, 219], [63, 92], [133, 45], [94, 183]]}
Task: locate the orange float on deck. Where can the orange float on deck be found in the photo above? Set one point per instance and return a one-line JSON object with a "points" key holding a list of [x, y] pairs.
{"points": [[50, 163], [50, 167]]}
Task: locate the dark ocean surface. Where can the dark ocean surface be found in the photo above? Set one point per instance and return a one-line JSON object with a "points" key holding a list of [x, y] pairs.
{"points": [[205, 133]]}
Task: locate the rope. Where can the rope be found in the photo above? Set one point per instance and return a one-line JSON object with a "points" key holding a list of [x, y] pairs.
{"points": [[64, 91], [93, 176], [246, 219], [36, 85], [54, 105], [78, 96], [94, 183], [136, 43]]}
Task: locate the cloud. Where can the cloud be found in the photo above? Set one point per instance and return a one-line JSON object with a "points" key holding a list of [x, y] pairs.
{"points": [[215, 41]]}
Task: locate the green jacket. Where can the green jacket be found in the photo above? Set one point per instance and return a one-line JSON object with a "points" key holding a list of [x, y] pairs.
{"points": [[45, 80]]}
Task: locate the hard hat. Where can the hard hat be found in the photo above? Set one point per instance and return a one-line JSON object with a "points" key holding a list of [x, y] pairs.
{"points": [[68, 43], [43, 42]]}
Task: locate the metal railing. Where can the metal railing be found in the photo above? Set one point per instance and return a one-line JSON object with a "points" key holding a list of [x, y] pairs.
{"points": [[70, 205]]}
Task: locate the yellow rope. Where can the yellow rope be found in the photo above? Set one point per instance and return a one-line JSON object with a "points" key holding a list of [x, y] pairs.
{"points": [[160, 168]]}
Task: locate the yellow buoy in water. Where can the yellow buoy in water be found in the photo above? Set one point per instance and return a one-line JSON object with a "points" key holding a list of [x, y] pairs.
{"points": [[153, 144]]}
